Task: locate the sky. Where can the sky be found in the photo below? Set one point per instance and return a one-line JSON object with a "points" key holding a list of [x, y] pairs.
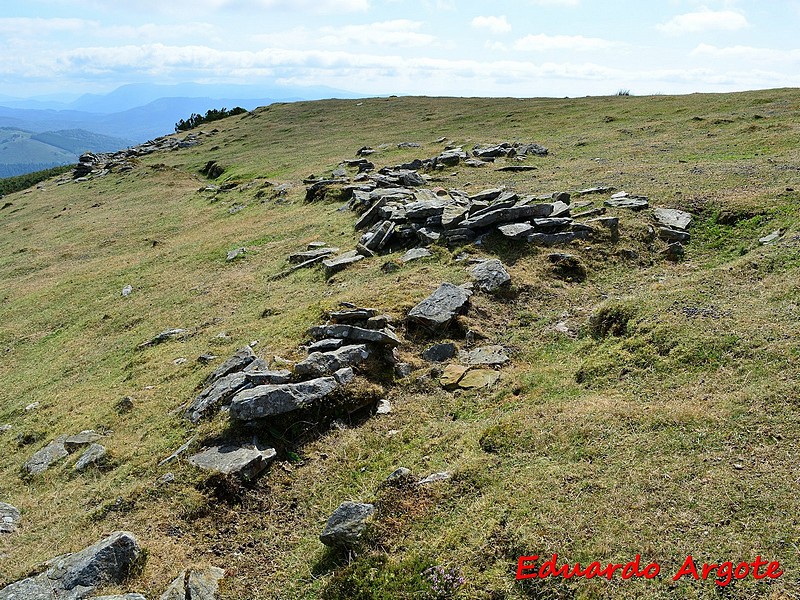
{"points": [[519, 48]]}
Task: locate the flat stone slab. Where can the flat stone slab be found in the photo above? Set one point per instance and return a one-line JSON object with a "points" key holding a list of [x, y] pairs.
{"points": [[767, 239], [487, 355], [415, 254], [513, 214], [164, 336], [341, 262], [353, 315], [241, 358], [356, 334], [301, 257], [73, 443], [319, 364], [345, 526], [516, 231], [270, 400], [46, 457], [435, 477], [441, 307], [478, 378], [631, 202], [672, 218], [266, 377], [325, 345], [195, 584], [244, 461], [219, 393], [452, 375], [491, 275], [9, 518], [673, 235], [440, 352]]}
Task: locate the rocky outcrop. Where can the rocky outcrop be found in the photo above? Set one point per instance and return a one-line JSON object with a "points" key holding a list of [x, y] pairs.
{"points": [[246, 461], [346, 525], [441, 307]]}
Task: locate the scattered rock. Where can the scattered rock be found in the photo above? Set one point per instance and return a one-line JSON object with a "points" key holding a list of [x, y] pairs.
{"points": [[314, 253], [491, 275], [440, 352], [674, 252], [435, 477], [244, 461], [166, 335], [768, 239], [452, 375], [625, 201], [241, 359], [334, 265], [195, 584], [75, 442], [124, 404], [219, 393], [478, 378], [95, 454], [76, 576], [487, 355], [356, 334], [9, 518], [346, 524], [441, 307], [120, 597], [177, 454], [384, 407], [46, 457], [319, 364], [415, 254], [127, 290], [672, 218], [400, 473], [236, 253]]}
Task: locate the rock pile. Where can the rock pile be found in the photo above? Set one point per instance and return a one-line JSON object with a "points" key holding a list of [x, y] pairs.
{"points": [[63, 446]]}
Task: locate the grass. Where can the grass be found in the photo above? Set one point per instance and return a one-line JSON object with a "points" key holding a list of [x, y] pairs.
{"points": [[674, 434]]}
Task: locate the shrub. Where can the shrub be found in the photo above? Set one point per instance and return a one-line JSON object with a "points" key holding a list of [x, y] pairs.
{"points": [[214, 114]]}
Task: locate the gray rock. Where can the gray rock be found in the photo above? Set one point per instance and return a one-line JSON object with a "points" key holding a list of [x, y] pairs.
{"points": [[44, 458], [630, 202], [301, 257], [127, 290], [428, 236], [76, 576], [513, 214], [177, 454], [6, 427], [241, 358], [235, 253], [353, 315], [674, 251], [548, 224], [334, 265], [596, 190], [318, 364], [326, 345], [490, 275], [245, 461], [356, 334], [768, 239], [672, 218], [93, 455], [270, 400], [195, 584], [560, 209], [215, 395], [402, 370], [266, 376], [450, 158], [454, 212], [486, 195], [516, 231], [438, 309], [415, 254], [344, 375], [166, 335], [517, 168], [673, 235], [419, 211], [378, 237], [73, 443], [400, 473], [346, 524], [440, 352], [435, 477], [592, 212], [486, 355], [9, 518]]}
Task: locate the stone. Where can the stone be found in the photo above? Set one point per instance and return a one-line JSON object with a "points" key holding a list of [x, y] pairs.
{"points": [[486, 355], [596, 190], [263, 377], [454, 212], [344, 375], [127, 290], [490, 275], [674, 251], [553, 239], [551, 223], [673, 235], [356, 334], [440, 352], [517, 168], [513, 214], [334, 265], [345, 526], [450, 158], [486, 195], [479, 378], [353, 315], [435, 477], [9, 518], [301, 257], [195, 584], [419, 211], [75, 442], [318, 364], [371, 215], [47, 456], [441, 307], [592, 212], [415, 254], [560, 209], [6, 427], [768, 239], [245, 461], [164, 336], [631, 202], [95, 454], [177, 454], [399, 473], [516, 231], [402, 370], [452, 375], [270, 400], [235, 253], [241, 358], [219, 393], [76, 576], [325, 345], [672, 218], [384, 407]]}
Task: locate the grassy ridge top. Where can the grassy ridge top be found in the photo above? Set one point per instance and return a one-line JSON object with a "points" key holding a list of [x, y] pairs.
{"points": [[679, 437]]}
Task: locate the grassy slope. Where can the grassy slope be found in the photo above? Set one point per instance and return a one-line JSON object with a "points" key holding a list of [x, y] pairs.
{"points": [[637, 458]]}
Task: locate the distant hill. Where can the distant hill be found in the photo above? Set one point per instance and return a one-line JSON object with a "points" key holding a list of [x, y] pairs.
{"points": [[23, 151]]}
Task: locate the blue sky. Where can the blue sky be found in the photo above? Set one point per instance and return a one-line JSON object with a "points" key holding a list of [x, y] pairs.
{"points": [[518, 48]]}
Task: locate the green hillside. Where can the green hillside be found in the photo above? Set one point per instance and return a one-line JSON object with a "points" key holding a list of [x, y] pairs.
{"points": [[649, 406]]}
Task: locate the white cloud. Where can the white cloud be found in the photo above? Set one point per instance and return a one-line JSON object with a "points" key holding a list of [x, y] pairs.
{"points": [[37, 26], [704, 20], [496, 25], [543, 42], [747, 53], [556, 2], [400, 32]]}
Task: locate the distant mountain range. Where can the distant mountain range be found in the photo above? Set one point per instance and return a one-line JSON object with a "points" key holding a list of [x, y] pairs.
{"points": [[42, 132]]}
